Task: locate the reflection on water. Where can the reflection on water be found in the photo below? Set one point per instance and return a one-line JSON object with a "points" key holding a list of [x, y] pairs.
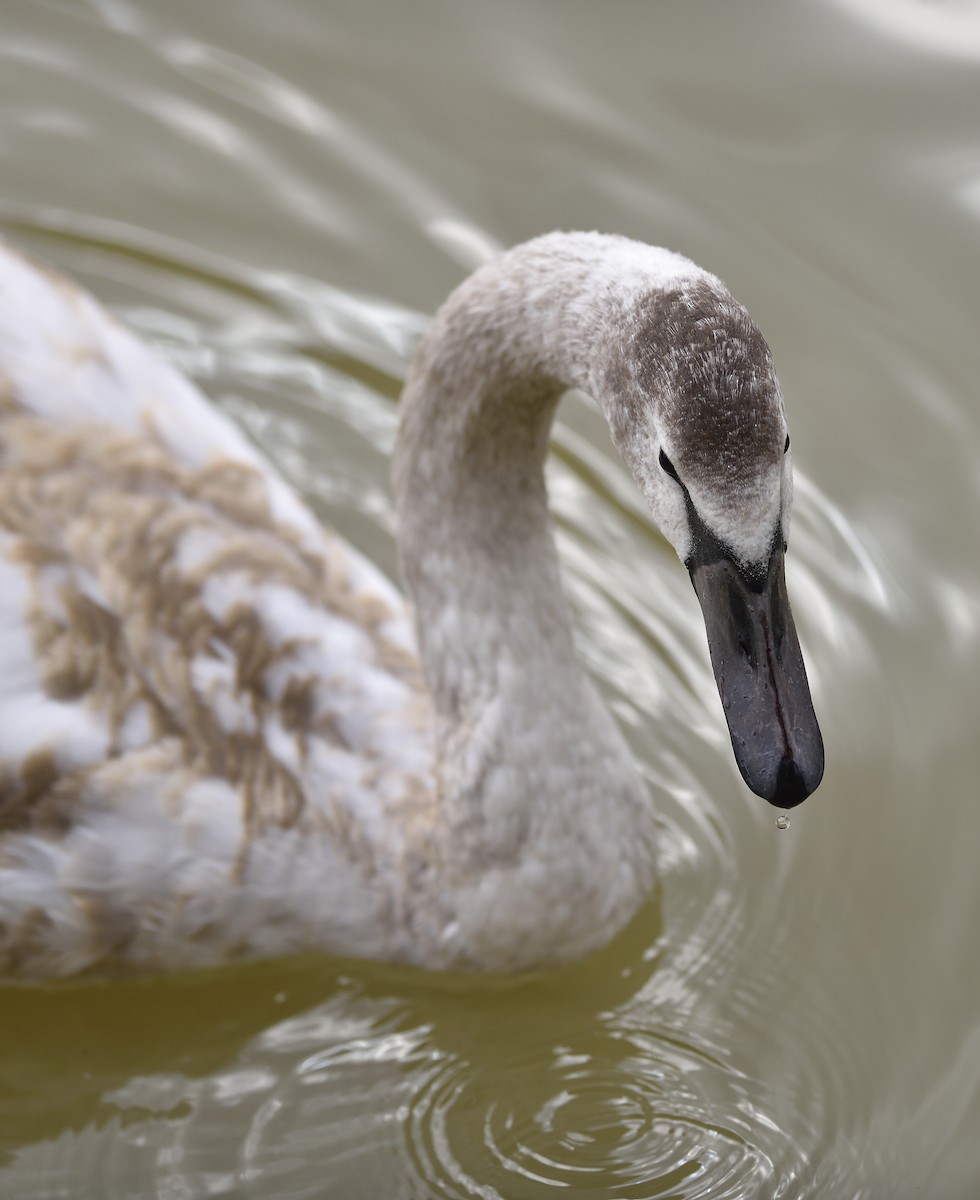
{"points": [[363, 1091], [947, 27], [277, 203]]}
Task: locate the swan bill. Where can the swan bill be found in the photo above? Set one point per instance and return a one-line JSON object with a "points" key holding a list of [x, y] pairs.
{"points": [[758, 666]]}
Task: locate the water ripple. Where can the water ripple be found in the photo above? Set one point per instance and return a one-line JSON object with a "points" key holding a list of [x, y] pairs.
{"points": [[624, 1119]]}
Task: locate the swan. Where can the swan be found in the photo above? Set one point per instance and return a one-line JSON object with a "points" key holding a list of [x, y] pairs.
{"points": [[225, 735]]}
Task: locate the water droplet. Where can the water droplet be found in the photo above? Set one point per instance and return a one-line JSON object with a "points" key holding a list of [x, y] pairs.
{"points": [[782, 822]]}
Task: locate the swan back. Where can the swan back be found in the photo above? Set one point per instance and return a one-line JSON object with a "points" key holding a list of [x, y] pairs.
{"points": [[196, 674]]}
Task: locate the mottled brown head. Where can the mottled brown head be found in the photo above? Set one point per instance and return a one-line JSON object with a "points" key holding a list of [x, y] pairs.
{"points": [[708, 366], [690, 376], [696, 410]]}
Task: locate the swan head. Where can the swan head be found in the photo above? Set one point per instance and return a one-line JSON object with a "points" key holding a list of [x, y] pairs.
{"points": [[698, 415]]}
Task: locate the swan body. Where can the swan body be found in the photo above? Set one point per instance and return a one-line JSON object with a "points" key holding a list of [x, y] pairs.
{"points": [[224, 734]]}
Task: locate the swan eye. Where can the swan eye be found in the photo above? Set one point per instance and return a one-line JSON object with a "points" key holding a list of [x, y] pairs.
{"points": [[668, 466], [786, 447]]}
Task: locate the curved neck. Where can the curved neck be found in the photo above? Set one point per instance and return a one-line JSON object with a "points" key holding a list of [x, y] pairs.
{"points": [[475, 541], [535, 784]]}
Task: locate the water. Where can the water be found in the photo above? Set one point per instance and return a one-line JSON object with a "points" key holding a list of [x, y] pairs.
{"points": [[277, 196]]}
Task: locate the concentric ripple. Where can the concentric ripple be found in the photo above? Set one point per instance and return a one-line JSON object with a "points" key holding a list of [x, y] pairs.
{"points": [[617, 1121]]}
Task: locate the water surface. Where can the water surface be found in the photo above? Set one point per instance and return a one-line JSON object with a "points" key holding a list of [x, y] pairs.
{"points": [[277, 196]]}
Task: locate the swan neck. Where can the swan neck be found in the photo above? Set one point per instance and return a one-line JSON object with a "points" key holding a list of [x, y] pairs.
{"points": [[475, 541], [531, 766]]}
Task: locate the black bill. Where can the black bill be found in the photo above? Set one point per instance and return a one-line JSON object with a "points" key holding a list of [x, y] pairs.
{"points": [[758, 666]]}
